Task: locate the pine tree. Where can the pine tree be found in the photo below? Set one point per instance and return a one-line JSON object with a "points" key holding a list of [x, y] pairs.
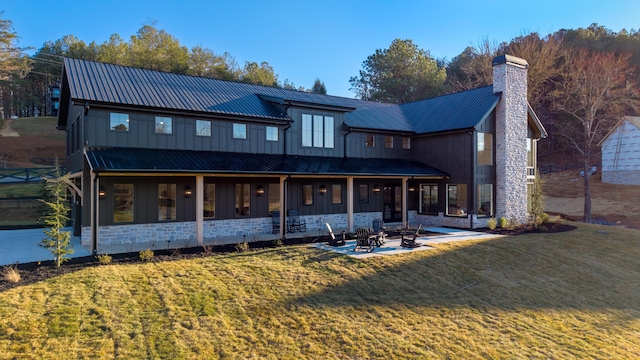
{"points": [[57, 240]]}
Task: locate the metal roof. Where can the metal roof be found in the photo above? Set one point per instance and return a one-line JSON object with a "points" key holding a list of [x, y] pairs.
{"points": [[187, 161], [115, 84], [460, 110]]}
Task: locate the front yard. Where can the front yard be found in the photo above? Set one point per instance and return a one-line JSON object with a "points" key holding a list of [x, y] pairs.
{"points": [[562, 295]]}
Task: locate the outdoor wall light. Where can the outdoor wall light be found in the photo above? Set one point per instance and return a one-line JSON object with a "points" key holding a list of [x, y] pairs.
{"points": [[376, 188], [260, 191], [412, 189], [323, 190], [188, 192], [102, 193]]}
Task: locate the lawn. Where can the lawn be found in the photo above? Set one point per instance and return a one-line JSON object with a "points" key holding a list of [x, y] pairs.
{"points": [[562, 295]]}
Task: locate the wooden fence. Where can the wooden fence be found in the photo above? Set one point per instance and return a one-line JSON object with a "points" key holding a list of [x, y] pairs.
{"points": [[12, 176]]}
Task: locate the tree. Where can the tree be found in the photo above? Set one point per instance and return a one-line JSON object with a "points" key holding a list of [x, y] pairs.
{"points": [[204, 62], [57, 240], [596, 90], [262, 74], [158, 50], [319, 88], [400, 74], [13, 63]]}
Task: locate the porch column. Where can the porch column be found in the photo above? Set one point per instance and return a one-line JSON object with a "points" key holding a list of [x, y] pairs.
{"points": [[405, 221], [200, 209], [350, 203], [283, 207], [93, 203]]}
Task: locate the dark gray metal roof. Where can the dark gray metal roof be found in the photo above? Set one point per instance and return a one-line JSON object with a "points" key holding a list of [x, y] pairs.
{"points": [[107, 83], [460, 110], [187, 161]]}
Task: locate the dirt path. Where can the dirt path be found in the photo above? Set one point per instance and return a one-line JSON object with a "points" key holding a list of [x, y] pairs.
{"points": [[7, 131]]}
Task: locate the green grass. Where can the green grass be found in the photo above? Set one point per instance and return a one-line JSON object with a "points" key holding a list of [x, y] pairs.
{"points": [[563, 295], [21, 190], [45, 126]]}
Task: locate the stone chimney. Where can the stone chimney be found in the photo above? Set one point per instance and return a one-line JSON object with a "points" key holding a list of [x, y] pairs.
{"points": [[510, 79]]}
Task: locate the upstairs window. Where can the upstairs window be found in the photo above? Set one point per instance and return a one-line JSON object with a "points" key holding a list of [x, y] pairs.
{"points": [[119, 121], [388, 142], [485, 148], [272, 133], [163, 125], [406, 143], [318, 131], [239, 131], [203, 128], [370, 140]]}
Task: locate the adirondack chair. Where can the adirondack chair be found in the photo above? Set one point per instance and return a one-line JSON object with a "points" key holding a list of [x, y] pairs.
{"points": [[366, 239], [411, 242], [275, 222], [294, 223], [333, 240]]}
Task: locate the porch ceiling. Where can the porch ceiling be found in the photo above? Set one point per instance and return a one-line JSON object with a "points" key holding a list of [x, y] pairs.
{"points": [[186, 161]]}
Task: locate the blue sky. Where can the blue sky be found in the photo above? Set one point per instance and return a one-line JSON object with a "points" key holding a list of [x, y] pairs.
{"points": [[305, 40]]}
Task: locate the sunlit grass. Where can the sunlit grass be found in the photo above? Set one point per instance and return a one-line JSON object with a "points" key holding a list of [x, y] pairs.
{"points": [[565, 295]]}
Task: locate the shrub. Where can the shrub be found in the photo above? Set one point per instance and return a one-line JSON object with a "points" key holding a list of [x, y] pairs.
{"points": [[207, 249], [146, 255], [11, 274], [277, 242], [104, 259], [492, 223], [502, 222], [242, 247]]}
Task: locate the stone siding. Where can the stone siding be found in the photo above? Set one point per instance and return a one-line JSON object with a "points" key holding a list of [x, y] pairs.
{"points": [[156, 233], [450, 221], [237, 227], [511, 135]]}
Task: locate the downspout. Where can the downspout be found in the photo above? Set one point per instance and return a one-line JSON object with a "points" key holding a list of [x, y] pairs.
{"points": [[474, 185], [284, 135], [344, 151]]}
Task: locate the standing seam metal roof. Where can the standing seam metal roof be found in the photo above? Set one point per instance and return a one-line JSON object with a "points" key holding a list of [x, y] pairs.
{"points": [[108, 83]]}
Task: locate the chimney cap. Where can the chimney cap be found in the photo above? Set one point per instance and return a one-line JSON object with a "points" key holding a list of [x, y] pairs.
{"points": [[511, 60]]}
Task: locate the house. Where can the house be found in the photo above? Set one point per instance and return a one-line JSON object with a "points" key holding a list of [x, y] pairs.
{"points": [[621, 153], [157, 157]]}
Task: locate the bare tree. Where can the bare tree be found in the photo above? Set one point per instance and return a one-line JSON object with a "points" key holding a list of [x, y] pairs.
{"points": [[595, 91]]}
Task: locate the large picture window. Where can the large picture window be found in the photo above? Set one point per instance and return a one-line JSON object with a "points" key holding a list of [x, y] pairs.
{"points": [[428, 199], [485, 148], [485, 199], [317, 131], [307, 194], [166, 202], [122, 203], [209, 206], [119, 121], [273, 191], [457, 200], [243, 200], [163, 125]]}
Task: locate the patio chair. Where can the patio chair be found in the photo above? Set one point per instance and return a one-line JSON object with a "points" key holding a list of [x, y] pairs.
{"points": [[411, 242], [335, 241], [366, 239], [379, 228], [294, 223], [275, 222]]}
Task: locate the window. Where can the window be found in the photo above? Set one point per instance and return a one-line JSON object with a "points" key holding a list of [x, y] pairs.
{"points": [[203, 128], [239, 131], [457, 200], [243, 200], [119, 122], [530, 158], [166, 202], [485, 199], [388, 142], [370, 140], [272, 133], [363, 193], [122, 203], [273, 191], [209, 206], [531, 187], [428, 199], [485, 149], [317, 131], [163, 125], [406, 143], [336, 194], [307, 194]]}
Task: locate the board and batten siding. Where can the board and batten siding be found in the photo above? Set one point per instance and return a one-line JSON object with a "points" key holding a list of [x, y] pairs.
{"points": [[357, 147], [294, 134]]}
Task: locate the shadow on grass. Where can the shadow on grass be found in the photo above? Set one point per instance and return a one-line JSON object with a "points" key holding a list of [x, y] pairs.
{"points": [[555, 271]]}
